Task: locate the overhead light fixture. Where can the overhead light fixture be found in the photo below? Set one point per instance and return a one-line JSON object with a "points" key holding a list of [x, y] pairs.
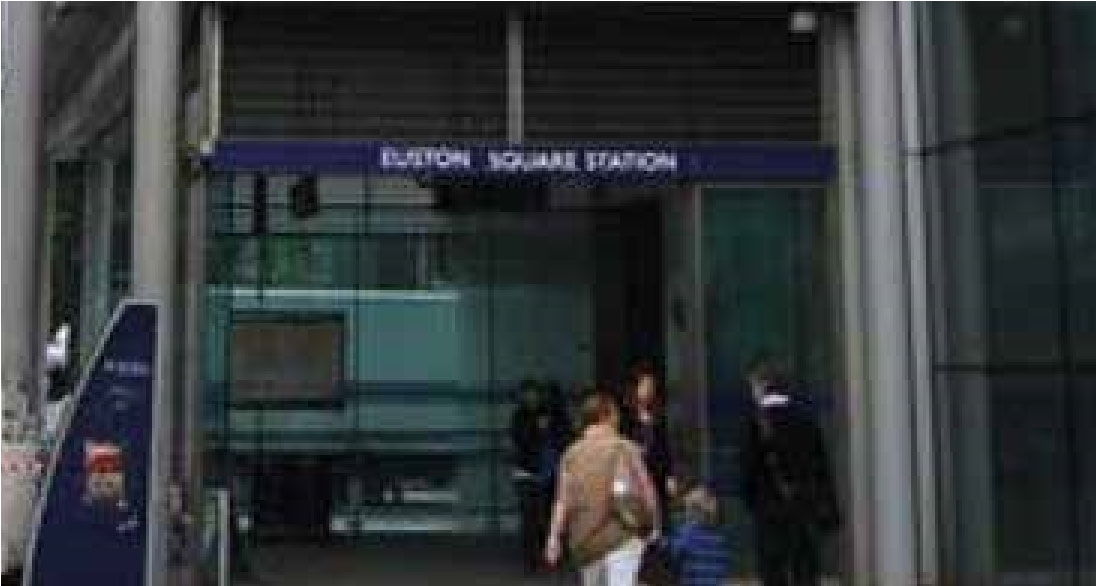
{"points": [[803, 21]]}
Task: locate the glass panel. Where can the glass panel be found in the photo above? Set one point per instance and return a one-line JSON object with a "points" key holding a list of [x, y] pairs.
{"points": [[764, 259], [1007, 477], [1077, 179], [1076, 184], [428, 318], [988, 63], [766, 287], [1083, 408], [1013, 250], [65, 223], [121, 250], [1074, 56], [958, 252], [998, 253]]}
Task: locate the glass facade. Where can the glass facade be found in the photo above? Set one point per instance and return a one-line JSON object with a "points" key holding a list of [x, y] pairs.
{"points": [[766, 289], [1008, 92], [90, 253], [365, 358], [764, 264]]}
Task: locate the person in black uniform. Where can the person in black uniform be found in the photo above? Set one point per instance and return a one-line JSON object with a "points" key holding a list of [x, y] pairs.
{"points": [[644, 422], [786, 480], [539, 434]]}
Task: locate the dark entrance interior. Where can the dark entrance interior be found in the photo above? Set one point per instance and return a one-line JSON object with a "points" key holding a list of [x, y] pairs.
{"points": [[629, 287]]}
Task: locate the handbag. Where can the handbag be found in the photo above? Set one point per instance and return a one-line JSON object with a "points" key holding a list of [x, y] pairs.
{"points": [[625, 513], [628, 505]]}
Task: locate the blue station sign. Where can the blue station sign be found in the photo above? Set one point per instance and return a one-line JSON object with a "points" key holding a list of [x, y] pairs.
{"points": [[92, 517], [627, 163]]}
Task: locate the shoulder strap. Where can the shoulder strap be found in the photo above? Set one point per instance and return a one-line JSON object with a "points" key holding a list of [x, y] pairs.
{"points": [[620, 458]]}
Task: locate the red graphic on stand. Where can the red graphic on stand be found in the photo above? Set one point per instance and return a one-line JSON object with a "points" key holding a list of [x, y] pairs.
{"points": [[104, 466]]}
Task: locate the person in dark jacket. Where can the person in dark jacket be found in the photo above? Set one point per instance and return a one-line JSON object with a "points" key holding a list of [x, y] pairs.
{"points": [[786, 480], [538, 432], [644, 422]]}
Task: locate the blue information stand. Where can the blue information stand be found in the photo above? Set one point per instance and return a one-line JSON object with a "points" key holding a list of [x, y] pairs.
{"points": [[92, 516]]}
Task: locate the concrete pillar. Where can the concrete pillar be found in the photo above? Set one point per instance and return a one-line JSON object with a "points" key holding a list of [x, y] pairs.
{"points": [[22, 198], [886, 299], [155, 107]]}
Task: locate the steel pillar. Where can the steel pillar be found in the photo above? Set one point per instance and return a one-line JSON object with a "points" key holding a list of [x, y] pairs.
{"points": [[886, 299], [155, 109], [23, 199]]}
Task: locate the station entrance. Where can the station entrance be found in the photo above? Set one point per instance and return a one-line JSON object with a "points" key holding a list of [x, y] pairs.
{"points": [[365, 339]]}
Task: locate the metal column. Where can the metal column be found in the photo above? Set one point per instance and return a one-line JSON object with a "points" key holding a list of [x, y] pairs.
{"points": [[155, 105], [920, 310], [886, 298], [21, 342], [22, 198]]}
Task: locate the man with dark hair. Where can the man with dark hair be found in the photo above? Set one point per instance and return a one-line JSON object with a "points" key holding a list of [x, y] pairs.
{"points": [[786, 479]]}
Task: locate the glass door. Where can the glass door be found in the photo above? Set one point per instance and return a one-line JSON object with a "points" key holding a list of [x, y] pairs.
{"points": [[766, 289]]}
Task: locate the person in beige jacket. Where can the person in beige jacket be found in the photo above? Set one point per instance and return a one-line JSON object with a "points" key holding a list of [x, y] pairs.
{"points": [[600, 466]]}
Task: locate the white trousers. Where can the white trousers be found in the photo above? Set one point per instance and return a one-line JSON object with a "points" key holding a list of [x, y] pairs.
{"points": [[618, 568]]}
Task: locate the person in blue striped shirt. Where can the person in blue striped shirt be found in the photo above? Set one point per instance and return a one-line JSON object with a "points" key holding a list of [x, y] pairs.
{"points": [[698, 548]]}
